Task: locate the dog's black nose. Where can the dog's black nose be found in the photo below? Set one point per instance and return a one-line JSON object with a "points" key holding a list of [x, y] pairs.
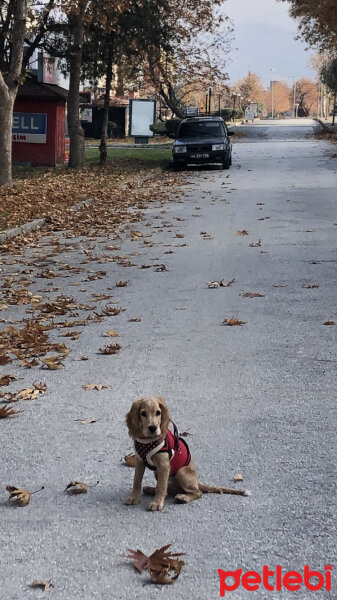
{"points": [[152, 428]]}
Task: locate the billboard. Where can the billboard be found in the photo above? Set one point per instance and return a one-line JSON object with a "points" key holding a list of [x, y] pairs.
{"points": [[142, 115], [30, 128]]}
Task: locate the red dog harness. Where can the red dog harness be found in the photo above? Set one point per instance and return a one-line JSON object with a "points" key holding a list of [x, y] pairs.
{"points": [[176, 447]]}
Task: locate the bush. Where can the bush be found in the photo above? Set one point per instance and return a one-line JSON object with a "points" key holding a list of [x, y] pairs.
{"points": [[158, 128], [166, 127], [227, 113]]}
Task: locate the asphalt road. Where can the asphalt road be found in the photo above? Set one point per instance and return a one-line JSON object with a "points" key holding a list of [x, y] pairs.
{"points": [[258, 399]]}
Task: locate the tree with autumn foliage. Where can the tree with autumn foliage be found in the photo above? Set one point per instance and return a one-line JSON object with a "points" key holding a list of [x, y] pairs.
{"points": [[278, 98], [317, 22], [306, 96], [22, 26], [251, 88]]}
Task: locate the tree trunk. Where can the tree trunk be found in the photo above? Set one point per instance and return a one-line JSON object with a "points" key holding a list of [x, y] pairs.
{"points": [[103, 147], [6, 118], [9, 84], [76, 133], [172, 102]]}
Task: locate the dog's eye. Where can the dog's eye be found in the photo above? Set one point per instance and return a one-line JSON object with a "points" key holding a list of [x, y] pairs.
{"points": [[158, 413], [143, 413]]}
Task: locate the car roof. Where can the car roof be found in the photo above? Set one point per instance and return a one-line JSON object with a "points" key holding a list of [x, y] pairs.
{"points": [[202, 119]]}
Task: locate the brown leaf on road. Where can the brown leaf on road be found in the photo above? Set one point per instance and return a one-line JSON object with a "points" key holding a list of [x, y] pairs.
{"points": [[5, 359], [121, 283], [238, 477], [146, 266], [74, 335], [309, 286], [242, 232], [163, 566], [330, 322], [53, 363], [95, 276], [86, 421], [252, 295], [179, 235], [130, 460], [8, 411], [255, 244], [135, 319], [110, 311], [160, 268], [77, 487], [40, 583], [28, 364], [95, 386], [7, 379], [224, 283], [20, 496], [279, 285], [110, 349], [233, 321], [111, 333]]}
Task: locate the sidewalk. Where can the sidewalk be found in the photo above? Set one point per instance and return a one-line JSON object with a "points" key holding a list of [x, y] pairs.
{"points": [[327, 124]]}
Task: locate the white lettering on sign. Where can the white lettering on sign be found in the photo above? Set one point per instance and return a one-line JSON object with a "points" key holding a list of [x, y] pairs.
{"points": [[32, 123], [16, 122]]}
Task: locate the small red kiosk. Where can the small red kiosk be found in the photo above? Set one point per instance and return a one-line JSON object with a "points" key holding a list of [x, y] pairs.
{"points": [[39, 123]]}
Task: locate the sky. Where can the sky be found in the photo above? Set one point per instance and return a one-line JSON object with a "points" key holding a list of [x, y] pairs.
{"points": [[265, 39]]}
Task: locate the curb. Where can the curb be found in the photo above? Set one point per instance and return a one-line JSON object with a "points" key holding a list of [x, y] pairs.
{"points": [[37, 223], [327, 126]]}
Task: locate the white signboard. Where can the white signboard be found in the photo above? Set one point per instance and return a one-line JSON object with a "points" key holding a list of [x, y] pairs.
{"points": [[142, 115]]}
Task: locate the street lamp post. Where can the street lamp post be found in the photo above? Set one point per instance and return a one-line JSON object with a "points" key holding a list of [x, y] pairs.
{"points": [[272, 93], [234, 95]]}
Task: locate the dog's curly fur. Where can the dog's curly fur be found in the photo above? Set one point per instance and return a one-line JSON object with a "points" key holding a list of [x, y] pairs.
{"points": [[147, 421]]}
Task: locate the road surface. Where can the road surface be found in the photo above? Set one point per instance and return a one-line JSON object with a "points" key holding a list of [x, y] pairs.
{"points": [[257, 399]]}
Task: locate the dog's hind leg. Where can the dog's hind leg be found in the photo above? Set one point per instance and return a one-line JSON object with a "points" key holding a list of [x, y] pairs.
{"points": [[187, 479]]}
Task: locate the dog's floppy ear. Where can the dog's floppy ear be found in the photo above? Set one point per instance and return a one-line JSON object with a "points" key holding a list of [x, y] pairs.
{"points": [[165, 416], [133, 421]]}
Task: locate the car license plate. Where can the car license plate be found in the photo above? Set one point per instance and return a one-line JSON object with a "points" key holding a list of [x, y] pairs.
{"points": [[200, 155]]}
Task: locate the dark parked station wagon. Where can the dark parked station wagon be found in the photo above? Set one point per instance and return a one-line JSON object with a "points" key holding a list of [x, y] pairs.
{"points": [[202, 140]]}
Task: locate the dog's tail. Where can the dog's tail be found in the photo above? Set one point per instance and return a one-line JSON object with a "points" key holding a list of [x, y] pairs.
{"points": [[208, 489]]}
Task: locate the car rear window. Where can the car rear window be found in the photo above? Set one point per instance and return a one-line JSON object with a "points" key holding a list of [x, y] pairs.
{"points": [[201, 129]]}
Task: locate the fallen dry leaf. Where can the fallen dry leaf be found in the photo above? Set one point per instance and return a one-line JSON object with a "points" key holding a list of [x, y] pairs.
{"points": [[121, 283], [7, 411], [110, 349], [53, 363], [233, 321], [255, 244], [77, 487], [213, 284], [130, 460], [238, 477], [224, 283], [252, 295], [242, 232], [7, 379], [86, 421], [95, 386], [329, 322], [44, 585], [135, 319], [4, 359], [111, 333], [20, 496], [162, 566], [309, 286]]}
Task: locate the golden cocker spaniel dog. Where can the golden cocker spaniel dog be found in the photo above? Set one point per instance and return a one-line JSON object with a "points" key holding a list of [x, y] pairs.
{"points": [[166, 454]]}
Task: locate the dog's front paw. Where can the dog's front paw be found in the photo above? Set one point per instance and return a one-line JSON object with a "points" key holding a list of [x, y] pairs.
{"points": [[132, 500], [155, 506]]}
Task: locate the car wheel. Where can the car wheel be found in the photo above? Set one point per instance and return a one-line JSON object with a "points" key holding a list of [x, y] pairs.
{"points": [[178, 166], [226, 163]]}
